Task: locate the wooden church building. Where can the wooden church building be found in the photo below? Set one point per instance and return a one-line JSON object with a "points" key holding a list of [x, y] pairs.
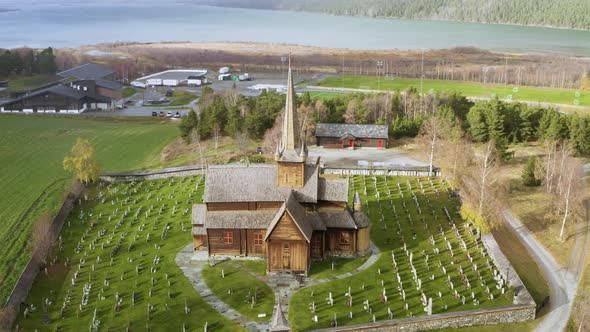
{"points": [[285, 212]]}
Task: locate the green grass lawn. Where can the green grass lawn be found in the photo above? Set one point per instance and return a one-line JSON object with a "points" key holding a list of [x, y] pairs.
{"points": [[33, 148], [471, 89], [122, 242], [129, 91], [416, 231], [181, 98], [241, 277], [30, 83], [323, 269]]}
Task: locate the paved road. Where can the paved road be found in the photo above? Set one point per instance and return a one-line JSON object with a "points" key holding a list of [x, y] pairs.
{"points": [[562, 284]]}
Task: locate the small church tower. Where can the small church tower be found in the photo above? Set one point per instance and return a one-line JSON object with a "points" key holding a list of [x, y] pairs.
{"points": [[291, 153]]}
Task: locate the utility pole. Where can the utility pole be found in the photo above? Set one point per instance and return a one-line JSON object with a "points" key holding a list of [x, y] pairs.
{"points": [[379, 66], [422, 74]]}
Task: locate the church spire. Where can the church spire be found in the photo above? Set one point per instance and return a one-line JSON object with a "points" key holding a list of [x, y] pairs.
{"points": [[291, 146]]}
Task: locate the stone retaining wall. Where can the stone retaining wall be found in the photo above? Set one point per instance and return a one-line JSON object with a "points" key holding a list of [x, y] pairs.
{"points": [[25, 282], [401, 171], [509, 314], [152, 175]]}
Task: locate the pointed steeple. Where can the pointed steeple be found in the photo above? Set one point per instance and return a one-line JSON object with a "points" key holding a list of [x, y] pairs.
{"points": [[291, 146]]}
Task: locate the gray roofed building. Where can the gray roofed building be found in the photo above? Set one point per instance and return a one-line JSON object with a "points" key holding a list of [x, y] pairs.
{"points": [[112, 85], [88, 71], [305, 216], [240, 183], [339, 130]]}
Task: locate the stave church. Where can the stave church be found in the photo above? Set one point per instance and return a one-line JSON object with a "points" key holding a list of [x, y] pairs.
{"points": [[285, 212]]}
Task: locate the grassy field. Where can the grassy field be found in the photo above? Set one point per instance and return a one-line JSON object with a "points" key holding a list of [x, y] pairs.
{"points": [[129, 91], [32, 176], [181, 98], [242, 278], [120, 247], [29, 83], [471, 89], [417, 223]]}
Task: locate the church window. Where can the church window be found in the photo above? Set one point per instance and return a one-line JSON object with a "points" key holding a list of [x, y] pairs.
{"points": [[228, 237], [344, 238], [258, 239]]}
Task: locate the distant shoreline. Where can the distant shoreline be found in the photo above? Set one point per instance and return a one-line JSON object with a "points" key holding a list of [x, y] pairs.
{"points": [[412, 18]]}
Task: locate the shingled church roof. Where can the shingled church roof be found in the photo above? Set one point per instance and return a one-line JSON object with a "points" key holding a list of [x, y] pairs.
{"points": [[335, 190], [255, 184]]}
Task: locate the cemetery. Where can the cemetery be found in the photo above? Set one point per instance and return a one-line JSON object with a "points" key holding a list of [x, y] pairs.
{"points": [[432, 261], [113, 266]]}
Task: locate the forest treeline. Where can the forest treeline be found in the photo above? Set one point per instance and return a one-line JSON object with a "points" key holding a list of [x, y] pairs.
{"points": [[231, 114], [556, 13]]}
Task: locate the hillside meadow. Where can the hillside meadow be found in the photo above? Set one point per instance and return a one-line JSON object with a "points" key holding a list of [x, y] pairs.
{"points": [[470, 89], [34, 182]]}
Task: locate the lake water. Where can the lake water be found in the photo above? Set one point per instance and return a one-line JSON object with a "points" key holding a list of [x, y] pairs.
{"points": [[75, 25]]}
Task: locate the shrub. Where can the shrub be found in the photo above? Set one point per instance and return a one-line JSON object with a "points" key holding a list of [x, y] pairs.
{"points": [[528, 173]]}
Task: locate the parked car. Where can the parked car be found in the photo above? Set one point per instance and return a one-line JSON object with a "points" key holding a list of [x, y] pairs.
{"points": [[154, 113], [259, 150], [169, 114], [177, 115], [162, 113]]}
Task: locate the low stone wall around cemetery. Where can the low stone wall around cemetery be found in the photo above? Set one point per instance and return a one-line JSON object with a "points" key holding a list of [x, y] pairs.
{"points": [[25, 282], [509, 314], [152, 175], [398, 171]]}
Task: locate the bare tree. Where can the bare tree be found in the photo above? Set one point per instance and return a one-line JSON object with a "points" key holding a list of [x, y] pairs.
{"points": [[196, 140], [216, 131], [430, 132], [570, 192], [243, 140], [550, 160], [41, 238], [487, 164]]}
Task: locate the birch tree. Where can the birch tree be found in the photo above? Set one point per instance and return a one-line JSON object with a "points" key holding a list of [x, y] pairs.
{"points": [[487, 165], [82, 161], [570, 191]]}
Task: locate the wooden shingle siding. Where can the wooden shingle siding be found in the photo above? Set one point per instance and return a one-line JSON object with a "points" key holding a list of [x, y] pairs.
{"points": [[286, 230], [217, 245], [291, 174], [339, 249]]}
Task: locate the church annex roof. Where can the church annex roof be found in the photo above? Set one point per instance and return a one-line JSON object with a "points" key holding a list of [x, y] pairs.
{"points": [[335, 190], [297, 213], [241, 183]]}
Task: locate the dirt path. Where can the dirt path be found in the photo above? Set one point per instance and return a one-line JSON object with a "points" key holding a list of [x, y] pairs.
{"points": [[562, 284]]}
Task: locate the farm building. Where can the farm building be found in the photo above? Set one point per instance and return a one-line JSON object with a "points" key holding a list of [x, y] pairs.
{"points": [[284, 212], [173, 77], [86, 87], [197, 80], [344, 135]]}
